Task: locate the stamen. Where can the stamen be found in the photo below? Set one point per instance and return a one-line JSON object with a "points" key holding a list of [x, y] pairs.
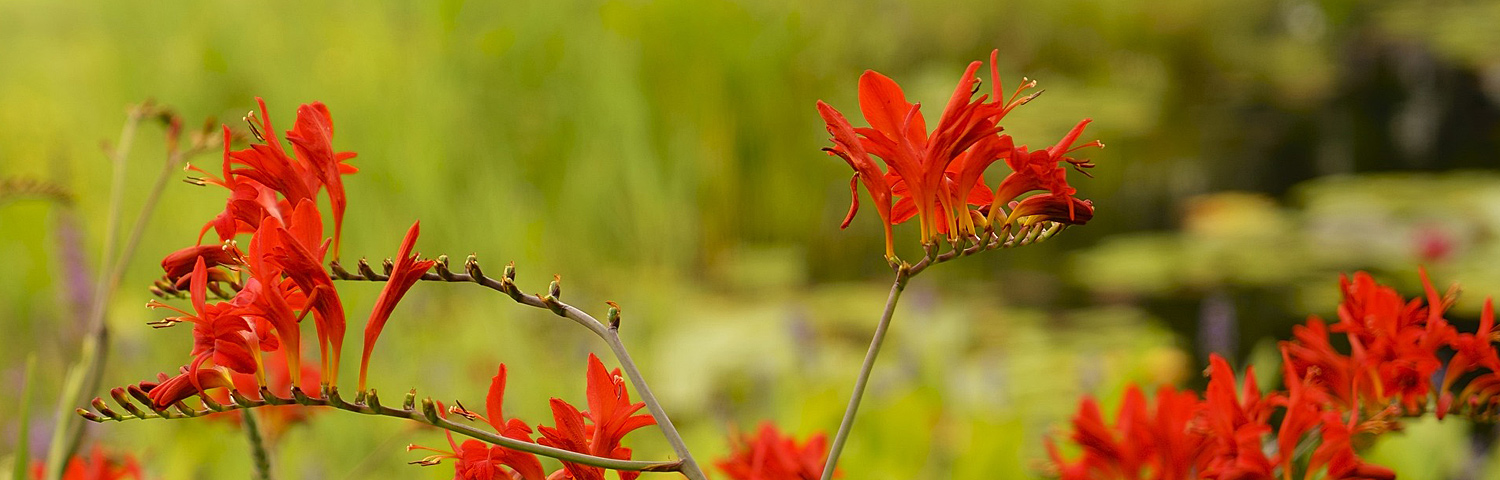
{"points": [[155, 304], [458, 409], [163, 323], [249, 119]]}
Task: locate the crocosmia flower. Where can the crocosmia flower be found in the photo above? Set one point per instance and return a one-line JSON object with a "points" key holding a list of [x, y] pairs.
{"points": [[771, 455], [937, 175], [266, 290], [95, 465]]}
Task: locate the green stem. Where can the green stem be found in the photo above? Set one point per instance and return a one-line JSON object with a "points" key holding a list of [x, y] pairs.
{"points": [[902, 275], [68, 433], [259, 452], [23, 449], [689, 466], [426, 413]]}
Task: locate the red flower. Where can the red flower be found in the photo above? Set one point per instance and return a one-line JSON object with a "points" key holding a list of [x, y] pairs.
{"points": [[597, 432], [1335, 453], [768, 455], [1236, 422], [256, 175], [180, 263], [920, 163], [1051, 207], [169, 390], [611, 416], [283, 250], [570, 433], [407, 271], [312, 138], [1040, 170], [479, 461], [96, 465], [938, 176], [268, 304], [1144, 438], [476, 460], [279, 379], [847, 146], [220, 335]]}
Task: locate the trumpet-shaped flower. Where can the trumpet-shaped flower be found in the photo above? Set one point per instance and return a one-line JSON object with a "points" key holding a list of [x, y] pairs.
{"points": [[407, 271], [936, 176], [770, 455]]}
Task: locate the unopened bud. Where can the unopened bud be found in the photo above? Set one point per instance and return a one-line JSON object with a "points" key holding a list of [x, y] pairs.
{"points": [[471, 266], [87, 415], [429, 409], [554, 289], [99, 405], [981, 223], [119, 395], [614, 315], [441, 266], [366, 271]]}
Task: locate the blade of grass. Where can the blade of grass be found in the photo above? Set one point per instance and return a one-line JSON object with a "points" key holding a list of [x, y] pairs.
{"points": [[23, 440]]}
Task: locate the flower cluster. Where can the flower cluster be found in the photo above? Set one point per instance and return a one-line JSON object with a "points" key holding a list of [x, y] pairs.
{"points": [[96, 465], [251, 338], [247, 342], [770, 456], [1329, 398], [936, 177], [597, 432]]}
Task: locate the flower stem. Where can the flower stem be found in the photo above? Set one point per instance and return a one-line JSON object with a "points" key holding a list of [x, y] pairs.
{"points": [[258, 451], [689, 466], [425, 413], [68, 433], [902, 275]]}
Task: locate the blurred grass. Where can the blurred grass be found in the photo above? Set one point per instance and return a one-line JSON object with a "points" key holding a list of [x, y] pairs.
{"points": [[664, 155]]}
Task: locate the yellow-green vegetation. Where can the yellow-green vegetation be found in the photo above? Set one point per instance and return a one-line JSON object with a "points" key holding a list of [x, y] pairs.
{"points": [[664, 155]]}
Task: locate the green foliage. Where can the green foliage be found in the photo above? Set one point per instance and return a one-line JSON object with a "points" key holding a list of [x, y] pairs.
{"points": [[664, 155]]}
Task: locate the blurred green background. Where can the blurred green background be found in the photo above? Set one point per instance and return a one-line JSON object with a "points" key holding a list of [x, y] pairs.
{"points": [[664, 155]]}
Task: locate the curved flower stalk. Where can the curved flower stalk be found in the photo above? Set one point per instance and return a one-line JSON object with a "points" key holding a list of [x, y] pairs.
{"points": [[262, 294], [596, 432], [1330, 397], [937, 177], [550, 301]]}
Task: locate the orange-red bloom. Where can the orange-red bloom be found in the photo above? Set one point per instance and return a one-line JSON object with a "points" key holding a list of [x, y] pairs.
{"points": [[611, 415], [312, 138], [1330, 396], [166, 390], [1394, 347], [1148, 440], [937, 176], [597, 432], [280, 277], [769, 455], [96, 465], [407, 271]]}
